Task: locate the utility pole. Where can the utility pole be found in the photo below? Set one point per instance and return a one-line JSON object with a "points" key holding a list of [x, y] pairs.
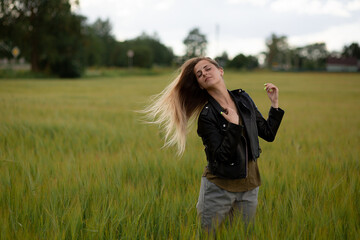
{"points": [[217, 33], [130, 54]]}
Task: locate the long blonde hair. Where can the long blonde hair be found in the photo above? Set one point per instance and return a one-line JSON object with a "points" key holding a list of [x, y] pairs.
{"points": [[175, 107]]}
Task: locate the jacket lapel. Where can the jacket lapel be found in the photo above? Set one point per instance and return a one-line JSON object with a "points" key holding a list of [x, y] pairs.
{"points": [[244, 110], [216, 105], [239, 104]]}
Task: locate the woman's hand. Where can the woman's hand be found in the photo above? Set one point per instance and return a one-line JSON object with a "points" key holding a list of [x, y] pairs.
{"points": [[231, 115], [273, 94]]}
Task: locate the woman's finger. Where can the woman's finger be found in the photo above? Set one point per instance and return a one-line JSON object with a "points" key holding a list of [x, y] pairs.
{"points": [[269, 87]]}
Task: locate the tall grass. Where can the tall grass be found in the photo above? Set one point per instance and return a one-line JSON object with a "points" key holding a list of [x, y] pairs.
{"points": [[77, 163]]}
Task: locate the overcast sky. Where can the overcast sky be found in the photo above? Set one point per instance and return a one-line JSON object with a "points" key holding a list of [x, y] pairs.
{"points": [[243, 25]]}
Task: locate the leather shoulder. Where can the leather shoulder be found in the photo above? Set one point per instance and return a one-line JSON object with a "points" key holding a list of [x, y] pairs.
{"points": [[238, 92], [205, 110]]}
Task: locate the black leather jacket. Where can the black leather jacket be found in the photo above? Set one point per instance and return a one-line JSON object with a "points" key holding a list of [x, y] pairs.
{"points": [[225, 145]]}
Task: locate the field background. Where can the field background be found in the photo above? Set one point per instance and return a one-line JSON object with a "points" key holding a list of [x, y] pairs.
{"points": [[77, 163]]}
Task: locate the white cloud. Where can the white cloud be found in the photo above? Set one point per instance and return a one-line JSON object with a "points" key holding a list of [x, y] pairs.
{"points": [[336, 8], [335, 37], [312, 7], [353, 5], [123, 11], [234, 46], [252, 2], [164, 5], [172, 19]]}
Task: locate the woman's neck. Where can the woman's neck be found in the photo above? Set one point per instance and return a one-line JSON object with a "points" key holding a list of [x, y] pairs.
{"points": [[221, 95]]}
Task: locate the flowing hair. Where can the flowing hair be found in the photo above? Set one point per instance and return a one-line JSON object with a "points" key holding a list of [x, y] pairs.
{"points": [[175, 108]]}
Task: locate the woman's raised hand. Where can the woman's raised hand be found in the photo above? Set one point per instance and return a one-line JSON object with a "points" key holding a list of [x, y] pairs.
{"points": [[273, 94]]}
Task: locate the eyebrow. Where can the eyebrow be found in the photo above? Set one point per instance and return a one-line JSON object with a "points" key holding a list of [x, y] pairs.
{"points": [[202, 68]]}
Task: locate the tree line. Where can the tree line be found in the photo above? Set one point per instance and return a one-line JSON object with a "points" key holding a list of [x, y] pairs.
{"points": [[54, 39], [280, 56]]}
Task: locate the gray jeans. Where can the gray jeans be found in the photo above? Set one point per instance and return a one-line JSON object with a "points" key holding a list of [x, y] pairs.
{"points": [[215, 204]]}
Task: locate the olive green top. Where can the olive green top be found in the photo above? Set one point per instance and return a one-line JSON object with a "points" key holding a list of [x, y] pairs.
{"points": [[252, 181]]}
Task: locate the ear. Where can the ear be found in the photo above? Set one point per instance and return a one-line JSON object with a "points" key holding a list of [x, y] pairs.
{"points": [[221, 71]]}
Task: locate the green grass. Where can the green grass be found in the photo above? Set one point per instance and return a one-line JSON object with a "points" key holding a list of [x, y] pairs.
{"points": [[77, 163], [91, 72]]}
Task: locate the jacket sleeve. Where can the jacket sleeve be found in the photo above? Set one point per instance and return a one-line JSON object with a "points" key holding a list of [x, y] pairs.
{"points": [[267, 129], [220, 144]]}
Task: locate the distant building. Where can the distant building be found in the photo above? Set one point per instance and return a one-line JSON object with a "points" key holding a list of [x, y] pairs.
{"points": [[350, 64]]}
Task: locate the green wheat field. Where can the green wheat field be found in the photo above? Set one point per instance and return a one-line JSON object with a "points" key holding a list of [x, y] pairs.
{"points": [[76, 161]]}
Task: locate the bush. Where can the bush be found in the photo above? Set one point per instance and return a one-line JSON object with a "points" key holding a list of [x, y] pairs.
{"points": [[68, 68]]}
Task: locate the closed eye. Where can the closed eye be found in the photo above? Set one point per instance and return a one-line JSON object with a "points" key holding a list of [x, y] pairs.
{"points": [[199, 73]]}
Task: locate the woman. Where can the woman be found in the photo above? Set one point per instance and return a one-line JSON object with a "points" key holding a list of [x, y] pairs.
{"points": [[229, 125]]}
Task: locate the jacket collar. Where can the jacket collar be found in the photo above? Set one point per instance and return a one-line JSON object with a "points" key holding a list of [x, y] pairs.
{"points": [[239, 104], [215, 104], [218, 108]]}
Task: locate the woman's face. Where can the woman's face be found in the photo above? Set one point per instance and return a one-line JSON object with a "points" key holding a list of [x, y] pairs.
{"points": [[207, 74]]}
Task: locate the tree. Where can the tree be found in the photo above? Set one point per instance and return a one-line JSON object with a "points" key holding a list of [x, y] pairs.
{"points": [[195, 43], [353, 50], [102, 29], [162, 55], [148, 50], [67, 52], [277, 55], [94, 47], [223, 59], [243, 62], [252, 62], [311, 57], [47, 32], [143, 56], [99, 43], [314, 51]]}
